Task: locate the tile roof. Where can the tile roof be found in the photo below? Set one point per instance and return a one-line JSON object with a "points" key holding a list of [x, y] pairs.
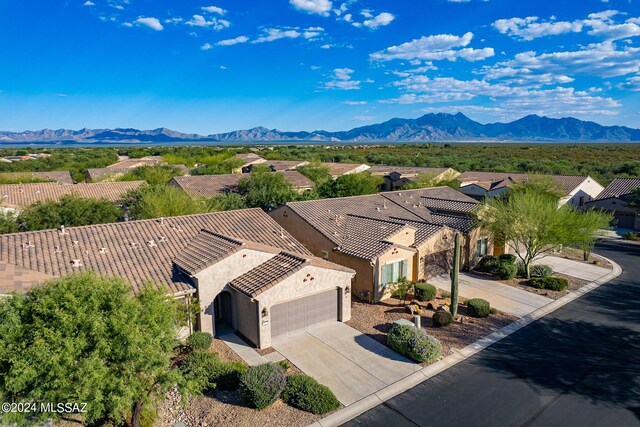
{"points": [[338, 169], [114, 171], [268, 274], [213, 185], [284, 165], [19, 279], [619, 187], [136, 163], [22, 195], [138, 251], [249, 157], [496, 180], [206, 249], [406, 171], [62, 177], [435, 204]]}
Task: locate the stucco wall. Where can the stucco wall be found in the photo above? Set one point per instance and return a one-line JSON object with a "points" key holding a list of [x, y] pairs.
{"points": [[617, 205], [299, 285], [245, 316], [589, 189], [394, 255]]}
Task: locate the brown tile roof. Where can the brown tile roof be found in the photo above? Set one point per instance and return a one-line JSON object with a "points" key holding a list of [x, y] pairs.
{"points": [[406, 171], [206, 249], [129, 164], [248, 157], [339, 169], [22, 195], [213, 185], [619, 187], [117, 170], [138, 251], [14, 278], [437, 205], [496, 180], [284, 165], [268, 274], [62, 177]]}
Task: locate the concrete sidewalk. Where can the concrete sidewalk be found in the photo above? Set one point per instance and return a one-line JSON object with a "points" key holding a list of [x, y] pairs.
{"points": [[572, 268], [503, 297]]}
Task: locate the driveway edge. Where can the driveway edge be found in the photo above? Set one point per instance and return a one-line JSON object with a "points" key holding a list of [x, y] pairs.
{"points": [[392, 390]]}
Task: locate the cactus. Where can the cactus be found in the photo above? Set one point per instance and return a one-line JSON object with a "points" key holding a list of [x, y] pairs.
{"points": [[455, 273]]}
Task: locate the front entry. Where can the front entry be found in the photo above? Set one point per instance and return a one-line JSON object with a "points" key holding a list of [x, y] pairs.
{"points": [[223, 309]]}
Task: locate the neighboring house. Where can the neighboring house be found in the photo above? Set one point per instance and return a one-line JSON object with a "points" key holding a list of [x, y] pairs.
{"points": [[62, 177], [14, 197], [248, 159], [386, 236], [245, 270], [396, 177], [339, 169], [213, 185], [578, 190], [122, 167], [615, 197], [277, 165]]}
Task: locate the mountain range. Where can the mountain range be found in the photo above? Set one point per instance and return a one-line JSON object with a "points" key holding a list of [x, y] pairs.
{"points": [[431, 127]]}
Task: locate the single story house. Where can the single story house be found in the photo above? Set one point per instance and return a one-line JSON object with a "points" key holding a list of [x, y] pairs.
{"points": [[213, 185], [245, 270], [396, 177], [386, 236], [61, 177], [14, 197], [127, 165], [578, 190], [248, 159], [277, 165], [339, 169], [615, 197]]}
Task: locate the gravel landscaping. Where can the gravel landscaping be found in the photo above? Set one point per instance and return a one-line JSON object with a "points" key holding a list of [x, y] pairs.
{"points": [[375, 320], [520, 283]]}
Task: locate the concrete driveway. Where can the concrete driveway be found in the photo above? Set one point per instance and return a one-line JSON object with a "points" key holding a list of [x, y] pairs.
{"points": [[572, 268], [350, 363]]}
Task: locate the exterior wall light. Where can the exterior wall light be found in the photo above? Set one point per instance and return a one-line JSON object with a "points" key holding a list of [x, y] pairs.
{"points": [[265, 312], [347, 290]]}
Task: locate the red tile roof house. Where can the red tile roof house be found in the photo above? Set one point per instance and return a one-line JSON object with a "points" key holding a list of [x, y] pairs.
{"points": [[386, 236], [578, 190], [615, 197], [244, 268], [396, 177], [14, 197]]}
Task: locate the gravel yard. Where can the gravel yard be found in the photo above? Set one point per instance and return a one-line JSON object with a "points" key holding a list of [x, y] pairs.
{"points": [[375, 320]]}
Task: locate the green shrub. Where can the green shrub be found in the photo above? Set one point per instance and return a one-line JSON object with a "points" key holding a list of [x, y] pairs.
{"points": [[507, 259], [441, 318], [148, 416], [540, 270], [631, 235], [478, 307], [506, 271], [425, 291], [493, 310], [262, 385], [551, 283], [488, 264], [445, 294], [306, 393], [414, 343], [200, 341], [196, 370], [284, 364], [226, 375], [522, 271]]}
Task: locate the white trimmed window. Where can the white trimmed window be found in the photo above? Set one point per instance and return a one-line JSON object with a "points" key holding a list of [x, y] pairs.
{"points": [[481, 247], [392, 272]]}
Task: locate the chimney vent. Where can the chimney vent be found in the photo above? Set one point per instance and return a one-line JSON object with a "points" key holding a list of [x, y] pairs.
{"points": [[75, 263], [63, 230], [103, 250]]}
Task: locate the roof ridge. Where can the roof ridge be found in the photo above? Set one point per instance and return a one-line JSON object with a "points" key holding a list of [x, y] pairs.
{"points": [[374, 219]]}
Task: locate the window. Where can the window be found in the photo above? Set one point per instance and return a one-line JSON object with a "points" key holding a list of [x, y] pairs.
{"points": [[394, 271], [581, 203], [481, 247]]}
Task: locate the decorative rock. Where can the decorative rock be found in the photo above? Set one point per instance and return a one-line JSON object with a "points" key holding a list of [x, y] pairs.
{"points": [[409, 309]]}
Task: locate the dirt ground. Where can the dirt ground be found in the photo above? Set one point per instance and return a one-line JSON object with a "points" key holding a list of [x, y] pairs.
{"points": [[520, 283], [375, 320]]}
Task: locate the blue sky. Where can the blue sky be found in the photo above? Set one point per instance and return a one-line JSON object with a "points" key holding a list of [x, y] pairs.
{"points": [[213, 66]]}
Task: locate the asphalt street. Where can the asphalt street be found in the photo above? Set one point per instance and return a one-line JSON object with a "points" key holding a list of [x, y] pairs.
{"points": [[578, 366]]}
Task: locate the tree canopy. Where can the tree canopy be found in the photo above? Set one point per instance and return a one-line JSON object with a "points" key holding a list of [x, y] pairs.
{"points": [[356, 184], [316, 172], [265, 189], [153, 175], [155, 201], [87, 338]]}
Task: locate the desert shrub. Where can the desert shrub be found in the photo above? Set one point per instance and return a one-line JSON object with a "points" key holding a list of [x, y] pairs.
{"points": [[507, 258], [284, 364], [226, 375], [262, 385], [425, 291], [478, 307], [414, 343], [488, 263], [541, 270], [631, 235], [148, 416], [196, 370], [506, 271], [199, 341], [522, 270], [445, 294], [551, 283], [493, 310], [441, 318], [307, 394]]}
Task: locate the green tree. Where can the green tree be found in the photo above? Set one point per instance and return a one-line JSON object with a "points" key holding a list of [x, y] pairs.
{"points": [[356, 184], [70, 211], [227, 202], [544, 185], [153, 175], [87, 338], [316, 172], [428, 180], [634, 201], [531, 223], [264, 189], [162, 201], [8, 223]]}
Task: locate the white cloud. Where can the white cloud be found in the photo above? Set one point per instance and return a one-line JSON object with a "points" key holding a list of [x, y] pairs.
{"points": [[222, 67], [234, 41], [272, 34], [61, 95], [363, 118], [435, 48], [88, 3], [379, 20], [319, 7], [355, 102], [312, 32], [214, 23], [214, 9], [206, 46], [341, 80], [632, 84], [149, 22]]}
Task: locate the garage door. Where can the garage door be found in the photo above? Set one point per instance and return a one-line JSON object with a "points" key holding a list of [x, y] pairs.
{"points": [[625, 219], [437, 264], [300, 314]]}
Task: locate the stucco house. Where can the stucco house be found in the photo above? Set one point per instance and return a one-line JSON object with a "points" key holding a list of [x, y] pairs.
{"points": [[396, 177], [277, 165], [339, 169], [578, 190], [245, 270], [615, 197], [247, 159], [386, 236], [125, 166], [15, 197], [213, 185]]}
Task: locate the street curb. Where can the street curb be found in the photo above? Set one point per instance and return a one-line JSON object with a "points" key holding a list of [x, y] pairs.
{"points": [[400, 386]]}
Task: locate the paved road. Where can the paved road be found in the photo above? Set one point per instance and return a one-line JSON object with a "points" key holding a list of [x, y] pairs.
{"points": [[578, 366]]}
